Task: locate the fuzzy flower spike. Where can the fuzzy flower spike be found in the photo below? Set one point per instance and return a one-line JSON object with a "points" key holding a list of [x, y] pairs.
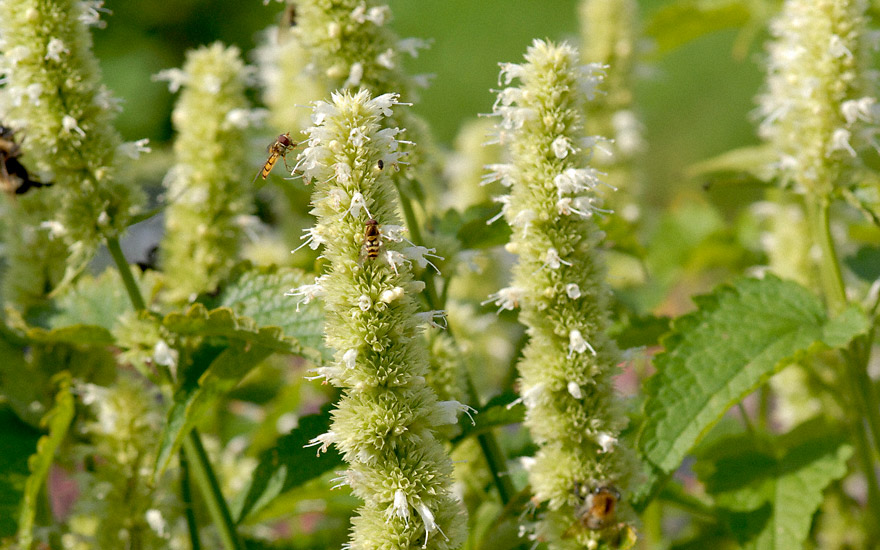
{"points": [[384, 423], [53, 94], [819, 109], [581, 469]]}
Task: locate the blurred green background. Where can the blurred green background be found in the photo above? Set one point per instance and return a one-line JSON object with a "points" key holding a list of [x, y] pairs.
{"points": [[695, 100]]}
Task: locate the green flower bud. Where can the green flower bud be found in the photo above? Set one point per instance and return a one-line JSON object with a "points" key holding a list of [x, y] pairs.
{"points": [[210, 197], [385, 422], [566, 370]]}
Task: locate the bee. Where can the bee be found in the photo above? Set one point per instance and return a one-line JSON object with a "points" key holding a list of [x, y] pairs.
{"points": [[278, 149], [14, 177], [371, 238], [380, 164], [598, 509]]}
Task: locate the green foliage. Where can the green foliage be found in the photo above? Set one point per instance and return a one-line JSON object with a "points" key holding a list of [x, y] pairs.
{"points": [[739, 336], [767, 489], [501, 410], [57, 421], [258, 293], [19, 442], [287, 465], [679, 22], [471, 229]]}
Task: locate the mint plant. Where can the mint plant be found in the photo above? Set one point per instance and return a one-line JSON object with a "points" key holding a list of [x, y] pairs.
{"points": [[561, 328]]}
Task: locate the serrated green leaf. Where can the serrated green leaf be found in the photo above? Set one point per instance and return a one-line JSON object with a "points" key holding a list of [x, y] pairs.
{"points": [[57, 420], [680, 22], [501, 410], [258, 293], [739, 336], [288, 464], [768, 490], [192, 402], [19, 442], [223, 322]]}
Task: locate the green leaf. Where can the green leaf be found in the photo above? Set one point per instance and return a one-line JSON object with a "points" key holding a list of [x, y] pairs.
{"points": [[501, 410], [57, 420], [768, 490], [76, 335], [288, 464], [19, 442], [739, 336], [258, 293], [471, 229], [680, 22], [92, 300], [191, 402], [865, 263], [223, 322], [755, 161]]}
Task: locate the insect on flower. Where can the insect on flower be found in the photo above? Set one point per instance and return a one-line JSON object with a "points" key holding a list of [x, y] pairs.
{"points": [[371, 238], [598, 508], [278, 149], [14, 177]]}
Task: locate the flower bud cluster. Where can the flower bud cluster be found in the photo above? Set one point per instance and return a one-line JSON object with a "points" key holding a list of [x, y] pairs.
{"points": [[208, 193], [52, 94], [567, 366], [819, 108], [385, 422]]}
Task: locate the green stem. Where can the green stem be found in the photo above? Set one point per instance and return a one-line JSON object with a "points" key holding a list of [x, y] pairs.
{"points": [[488, 443], [186, 497], [199, 464], [207, 483], [829, 266], [134, 292]]}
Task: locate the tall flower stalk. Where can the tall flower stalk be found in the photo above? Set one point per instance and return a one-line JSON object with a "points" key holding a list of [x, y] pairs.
{"points": [[567, 366], [53, 95], [384, 423], [209, 193]]}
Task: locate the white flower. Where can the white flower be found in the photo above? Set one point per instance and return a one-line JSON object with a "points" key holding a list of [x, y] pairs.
{"points": [[577, 344], [858, 109], [420, 255], [307, 292], [386, 59], [561, 146], [840, 142], [364, 302], [552, 259], [322, 441], [506, 298], [411, 46], [428, 520], [575, 390], [573, 291], [156, 522], [384, 103], [54, 50], [391, 294], [450, 411], [70, 124], [357, 203], [400, 508], [133, 149], [176, 78], [503, 173], [349, 358], [606, 441]]}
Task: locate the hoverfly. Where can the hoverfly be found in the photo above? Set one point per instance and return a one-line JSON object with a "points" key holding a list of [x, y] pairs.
{"points": [[598, 509], [14, 177], [371, 238], [278, 149]]}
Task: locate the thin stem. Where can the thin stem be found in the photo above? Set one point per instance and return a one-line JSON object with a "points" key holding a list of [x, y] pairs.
{"points": [[829, 266], [134, 292], [210, 489], [745, 418], [186, 497], [192, 444], [488, 443]]}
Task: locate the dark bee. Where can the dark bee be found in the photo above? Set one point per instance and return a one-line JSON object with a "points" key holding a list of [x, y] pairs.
{"points": [[277, 149], [14, 177], [380, 165], [598, 508], [371, 238]]}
